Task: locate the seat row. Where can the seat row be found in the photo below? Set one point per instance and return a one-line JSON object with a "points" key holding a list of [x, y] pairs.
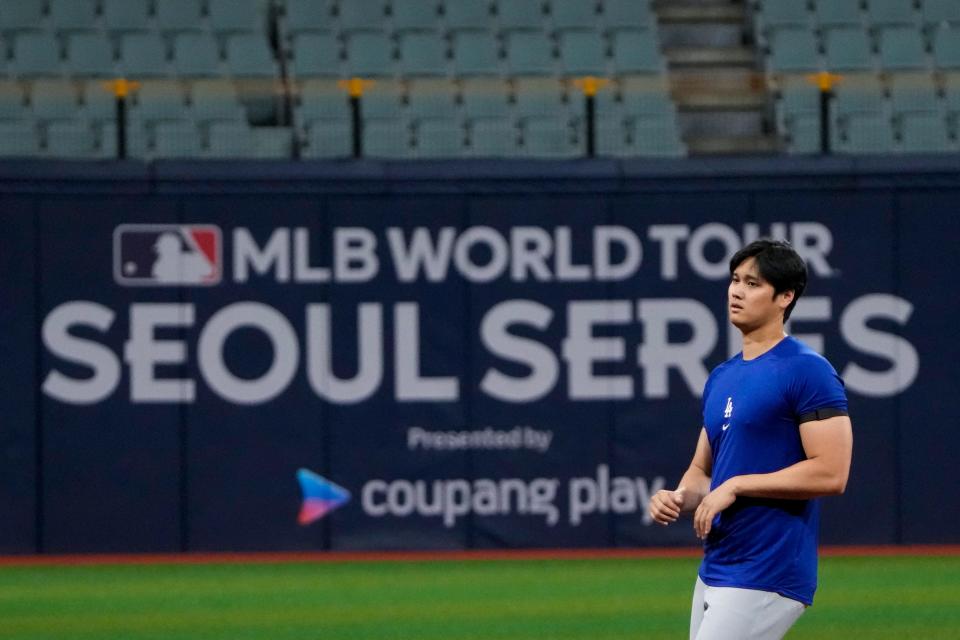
{"points": [[772, 15], [124, 16], [859, 133], [854, 49], [541, 137], [90, 139], [474, 53], [138, 55], [473, 98], [458, 15]]}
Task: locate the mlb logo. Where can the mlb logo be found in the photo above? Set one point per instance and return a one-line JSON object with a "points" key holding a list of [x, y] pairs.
{"points": [[158, 255]]}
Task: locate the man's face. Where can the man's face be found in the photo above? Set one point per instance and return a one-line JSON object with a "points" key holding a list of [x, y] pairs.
{"points": [[750, 299]]}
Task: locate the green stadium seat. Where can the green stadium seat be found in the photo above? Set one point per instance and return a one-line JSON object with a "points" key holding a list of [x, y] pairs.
{"points": [[97, 101], [215, 99], [70, 139], [143, 55], [21, 15], [13, 100], [230, 139], [35, 54], [657, 137], [848, 49], [940, 12], [439, 138], [866, 133], [925, 133], [195, 55], [161, 99], [838, 13], [248, 55], [913, 92], [90, 55], [414, 15], [315, 54], [73, 15], [628, 14], [384, 99], [461, 15], [362, 15], [550, 138], [858, 94], [571, 15], [793, 50], [946, 47], [802, 133], [422, 54], [779, 14], [892, 12], [539, 97], [176, 139], [636, 52], [902, 48], [52, 99], [328, 139], [322, 99], [429, 98], [529, 53], [124, 16], [388, 138], [520, 16], [582, 53], [176, 16], [309, 15], [19, 139], [475, 53], [611, 137], [272, 143], [237, 16], [369, 54], [486, 98], [493, 138]]}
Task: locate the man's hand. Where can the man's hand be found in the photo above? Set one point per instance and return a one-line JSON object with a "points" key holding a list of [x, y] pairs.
{"points": [[715, 502], [665, 506]]}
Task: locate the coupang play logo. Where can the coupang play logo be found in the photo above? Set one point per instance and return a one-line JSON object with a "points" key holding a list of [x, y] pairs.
{"points": [[320, 497]]}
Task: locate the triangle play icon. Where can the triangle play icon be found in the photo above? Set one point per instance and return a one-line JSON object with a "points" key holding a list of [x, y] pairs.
{"points": [[320, 496]]}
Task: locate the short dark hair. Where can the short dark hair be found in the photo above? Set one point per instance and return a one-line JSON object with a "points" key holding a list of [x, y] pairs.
{"points": [[779, 264]]}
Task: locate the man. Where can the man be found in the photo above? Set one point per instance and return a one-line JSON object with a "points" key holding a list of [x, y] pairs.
{"points": [[776, 436]]}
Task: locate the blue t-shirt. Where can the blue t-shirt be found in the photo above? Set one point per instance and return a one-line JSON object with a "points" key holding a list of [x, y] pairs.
{"points": [[751, 410]]}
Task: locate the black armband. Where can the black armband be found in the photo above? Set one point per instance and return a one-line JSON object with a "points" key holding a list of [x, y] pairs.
{"points": [[821, 414]]}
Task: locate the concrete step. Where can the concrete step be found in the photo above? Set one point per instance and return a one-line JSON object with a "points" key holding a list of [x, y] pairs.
{"points": [[677, 13], [733, 145], [705, 57], [746, 122], [721, 88]]}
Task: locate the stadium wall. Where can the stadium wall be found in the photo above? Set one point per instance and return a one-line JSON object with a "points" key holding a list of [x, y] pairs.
{"points": [[476, 354]]}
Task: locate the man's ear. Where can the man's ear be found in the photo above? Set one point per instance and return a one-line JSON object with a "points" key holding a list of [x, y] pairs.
{"points": [[784, 298]]}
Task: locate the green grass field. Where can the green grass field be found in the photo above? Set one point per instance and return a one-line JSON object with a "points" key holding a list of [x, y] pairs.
{"points": [[597, 599]]}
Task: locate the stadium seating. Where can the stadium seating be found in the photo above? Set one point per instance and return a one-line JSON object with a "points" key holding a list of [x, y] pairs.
{"points": [[452, 78], [21, 15]]}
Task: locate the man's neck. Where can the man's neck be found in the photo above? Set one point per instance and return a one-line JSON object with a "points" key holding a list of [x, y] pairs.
{"points": [[760, 340]]}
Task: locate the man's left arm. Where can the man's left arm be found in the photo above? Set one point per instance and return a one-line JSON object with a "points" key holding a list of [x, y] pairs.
{"points": [[828, 445]]}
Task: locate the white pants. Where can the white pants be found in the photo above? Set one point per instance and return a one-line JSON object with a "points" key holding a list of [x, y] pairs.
{"points": [[728, 613]]}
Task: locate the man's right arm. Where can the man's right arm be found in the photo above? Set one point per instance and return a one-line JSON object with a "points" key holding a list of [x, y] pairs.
{"points": [[666, 506]]}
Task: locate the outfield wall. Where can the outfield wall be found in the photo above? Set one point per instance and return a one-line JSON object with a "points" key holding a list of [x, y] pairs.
{"points": [[483, 355]]}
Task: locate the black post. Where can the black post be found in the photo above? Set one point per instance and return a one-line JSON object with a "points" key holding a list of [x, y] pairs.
{"points": [[591, 125], [357, 126], [825, 95], [121, 125]]}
